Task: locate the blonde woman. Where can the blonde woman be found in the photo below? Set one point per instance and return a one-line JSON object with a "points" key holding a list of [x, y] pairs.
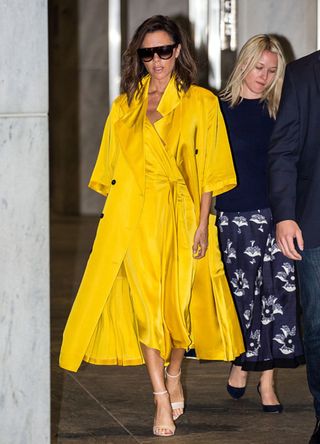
{"points": [[261, 279]]}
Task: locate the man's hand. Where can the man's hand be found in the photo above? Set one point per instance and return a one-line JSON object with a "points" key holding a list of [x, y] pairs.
{"points": [[286, 232]]}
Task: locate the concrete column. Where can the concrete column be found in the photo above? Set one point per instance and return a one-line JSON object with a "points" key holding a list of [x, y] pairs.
{"points": [[79, 100], [295, 20], [24, 234]]}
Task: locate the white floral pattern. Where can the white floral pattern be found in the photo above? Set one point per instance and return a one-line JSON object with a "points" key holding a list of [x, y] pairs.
{"points": [[263, 283], [287, 277], [259, 219], [270, 308], [286, 339], [223, 221], [253, 251], [248, 315], [239, 283], [230, 252], [240, 221], [254, 344], [271, 249]]}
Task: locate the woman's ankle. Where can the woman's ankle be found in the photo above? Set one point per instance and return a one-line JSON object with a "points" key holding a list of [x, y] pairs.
{"points": [[267, 380], [238, 376], [173, 372]]}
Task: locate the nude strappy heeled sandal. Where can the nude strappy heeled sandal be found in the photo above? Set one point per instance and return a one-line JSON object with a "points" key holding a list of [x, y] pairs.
{"points": [[157, 428], [177, 404]]}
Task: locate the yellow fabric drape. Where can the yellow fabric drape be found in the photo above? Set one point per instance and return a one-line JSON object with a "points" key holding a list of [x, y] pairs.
{"points": [[159, 263], [102, 327]]}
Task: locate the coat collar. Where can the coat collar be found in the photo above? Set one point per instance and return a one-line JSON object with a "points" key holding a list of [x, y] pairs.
{"points": [[169, 100], [317, 71]]}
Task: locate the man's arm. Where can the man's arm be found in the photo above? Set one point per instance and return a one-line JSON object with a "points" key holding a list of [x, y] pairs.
{"points": [[284, 152]]}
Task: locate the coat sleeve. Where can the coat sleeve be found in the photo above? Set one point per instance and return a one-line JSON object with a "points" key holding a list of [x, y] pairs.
{"points": [[101, 177], [284, 151], [219, 174]]}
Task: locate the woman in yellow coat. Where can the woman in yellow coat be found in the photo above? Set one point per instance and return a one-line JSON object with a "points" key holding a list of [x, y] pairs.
{"points": [[145, 296]]}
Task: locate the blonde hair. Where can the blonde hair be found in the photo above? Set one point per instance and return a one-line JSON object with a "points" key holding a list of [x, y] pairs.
{"points": [[248, 57]]}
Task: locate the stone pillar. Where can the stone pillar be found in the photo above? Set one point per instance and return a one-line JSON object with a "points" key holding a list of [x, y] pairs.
{"points": [[79, 100], [295, 20], [24, 235]]}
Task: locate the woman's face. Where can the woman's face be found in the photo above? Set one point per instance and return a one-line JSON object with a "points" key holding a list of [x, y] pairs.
{"points": [[261, 76], [160, 68]]}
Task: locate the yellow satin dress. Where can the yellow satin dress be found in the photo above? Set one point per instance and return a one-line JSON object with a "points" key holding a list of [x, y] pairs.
{"points": [[141, 283], [159, 263]]}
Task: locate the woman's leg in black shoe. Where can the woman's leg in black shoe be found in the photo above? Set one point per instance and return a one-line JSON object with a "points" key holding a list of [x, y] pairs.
{"points": [[268, 395]]}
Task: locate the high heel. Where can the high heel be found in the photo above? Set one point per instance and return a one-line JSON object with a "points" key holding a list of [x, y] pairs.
{"points": [[235, 392], [178, 404], [277, 408], [158, 427]]}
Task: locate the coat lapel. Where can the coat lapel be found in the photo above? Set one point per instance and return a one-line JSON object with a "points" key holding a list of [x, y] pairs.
{"points": [[169, 127], [317, 71], [130, 134]]}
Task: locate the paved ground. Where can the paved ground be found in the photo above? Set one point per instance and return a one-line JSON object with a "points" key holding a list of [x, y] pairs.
{"points": [[113, 405]]}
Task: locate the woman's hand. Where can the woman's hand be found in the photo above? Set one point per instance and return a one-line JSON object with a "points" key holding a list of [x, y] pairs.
{"points": [[200, 242]]}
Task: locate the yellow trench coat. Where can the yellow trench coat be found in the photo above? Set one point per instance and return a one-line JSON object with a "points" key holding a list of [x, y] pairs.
{"points": [[101, 327]]}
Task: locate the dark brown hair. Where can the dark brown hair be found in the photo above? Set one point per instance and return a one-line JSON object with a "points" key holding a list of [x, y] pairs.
{"points": [[133, 69]]}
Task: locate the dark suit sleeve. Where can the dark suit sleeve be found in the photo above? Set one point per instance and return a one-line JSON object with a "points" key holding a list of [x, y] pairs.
{"points": [[284, 153]]}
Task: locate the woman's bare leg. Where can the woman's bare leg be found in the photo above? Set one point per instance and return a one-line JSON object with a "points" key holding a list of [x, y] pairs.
{"points": [[173, 381], [237, 377], [268, 395], [155, 367]]}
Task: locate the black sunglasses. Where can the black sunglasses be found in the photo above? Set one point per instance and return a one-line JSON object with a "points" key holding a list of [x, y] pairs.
{"points": [[164, 52]]}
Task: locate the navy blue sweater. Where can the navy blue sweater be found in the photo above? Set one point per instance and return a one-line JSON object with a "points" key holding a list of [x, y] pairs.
{"points": [[249, 128]]}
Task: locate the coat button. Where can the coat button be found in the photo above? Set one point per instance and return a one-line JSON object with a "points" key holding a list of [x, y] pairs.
{"points": [[101, 215], [113, 181], [196, 151]]}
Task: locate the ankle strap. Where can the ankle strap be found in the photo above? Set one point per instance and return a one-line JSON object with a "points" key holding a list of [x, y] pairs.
{"points": [[172, 376], [160, 393]]}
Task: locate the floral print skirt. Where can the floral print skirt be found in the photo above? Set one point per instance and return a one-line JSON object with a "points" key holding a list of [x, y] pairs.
{"points": [[263, 284]]}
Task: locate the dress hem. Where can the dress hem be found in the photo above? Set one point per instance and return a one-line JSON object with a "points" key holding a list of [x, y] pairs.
{"points": [[259, 366], [114, 361]]}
